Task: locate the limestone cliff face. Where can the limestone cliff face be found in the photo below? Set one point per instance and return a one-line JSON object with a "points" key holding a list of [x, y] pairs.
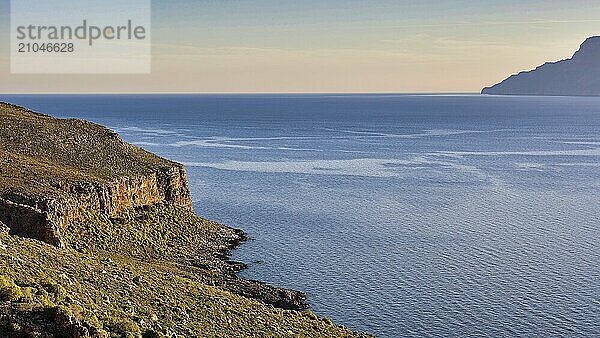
{"points": [[52, 170], [27, 221], [165, 185], [45, 218]]}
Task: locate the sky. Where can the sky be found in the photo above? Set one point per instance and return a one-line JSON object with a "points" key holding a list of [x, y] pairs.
{"points": [[334, 46]]}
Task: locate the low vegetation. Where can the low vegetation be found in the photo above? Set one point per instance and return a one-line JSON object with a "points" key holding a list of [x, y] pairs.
{"points": [[39, 152], [126, 297]]}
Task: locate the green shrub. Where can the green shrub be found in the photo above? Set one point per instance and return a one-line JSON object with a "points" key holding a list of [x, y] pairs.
{"points": [[124, 328], [152, 334], [311, 315], [56, 292], [9, 291], [43, 297], [28, 294], [62, 311]]}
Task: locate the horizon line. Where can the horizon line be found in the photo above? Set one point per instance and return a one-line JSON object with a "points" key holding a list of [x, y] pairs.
{"points": [[240, 93]]}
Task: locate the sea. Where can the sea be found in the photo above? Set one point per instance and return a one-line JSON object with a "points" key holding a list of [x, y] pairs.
{"points": [[398, 215]]}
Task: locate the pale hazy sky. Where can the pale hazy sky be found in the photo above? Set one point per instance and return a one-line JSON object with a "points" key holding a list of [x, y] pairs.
{"points": [[335, 46]]}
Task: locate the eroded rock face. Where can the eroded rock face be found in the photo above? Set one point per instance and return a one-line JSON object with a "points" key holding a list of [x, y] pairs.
{"points": [[52, 170], [27, 221], [44, 219], [165, 185]]}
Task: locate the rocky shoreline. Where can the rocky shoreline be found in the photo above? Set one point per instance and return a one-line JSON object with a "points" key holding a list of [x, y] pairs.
{"points": [[219, 261]]}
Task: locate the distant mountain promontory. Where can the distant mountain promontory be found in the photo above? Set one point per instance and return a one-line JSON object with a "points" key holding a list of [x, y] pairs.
{"points": [[577, 76]]}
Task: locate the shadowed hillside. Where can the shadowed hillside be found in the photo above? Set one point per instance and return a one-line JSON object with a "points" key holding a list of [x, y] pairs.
{"points": [[577, 76]]}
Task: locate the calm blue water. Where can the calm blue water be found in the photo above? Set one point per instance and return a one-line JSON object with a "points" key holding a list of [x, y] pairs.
{"points": [[398, 215]]}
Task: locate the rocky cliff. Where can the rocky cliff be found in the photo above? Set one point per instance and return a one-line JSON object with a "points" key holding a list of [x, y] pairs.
{"points": [[577, 76], [59, 182]]}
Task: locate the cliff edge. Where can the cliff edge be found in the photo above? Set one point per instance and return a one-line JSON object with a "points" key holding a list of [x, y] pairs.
{"points": [[98, 238], [52, 170], [577, 76]]}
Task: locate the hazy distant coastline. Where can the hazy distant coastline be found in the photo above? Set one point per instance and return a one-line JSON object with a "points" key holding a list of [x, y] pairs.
{"points": [[577, 76]]}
